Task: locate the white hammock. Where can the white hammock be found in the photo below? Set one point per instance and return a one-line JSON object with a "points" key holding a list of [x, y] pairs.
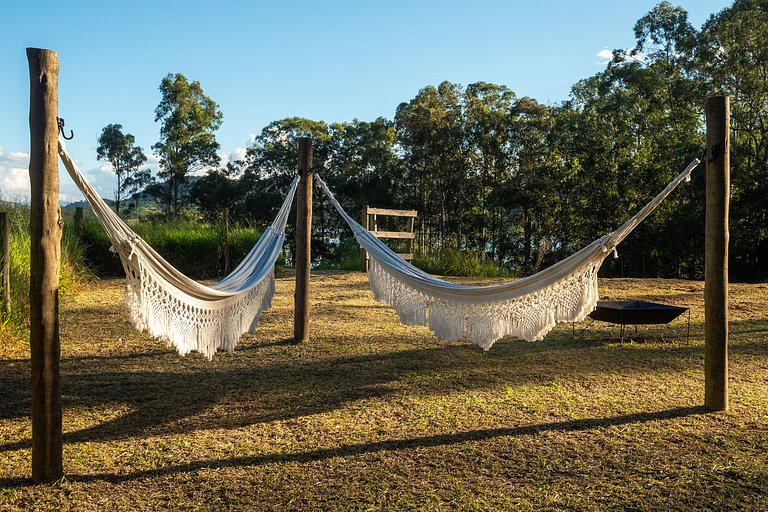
{"points": [[177, 309], [527, 308]]}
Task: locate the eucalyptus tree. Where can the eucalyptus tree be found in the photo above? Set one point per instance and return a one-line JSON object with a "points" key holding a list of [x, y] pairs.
{"points": [[219, 189], [637, 124], [364, 166], [531, 194], [732, 59], [487, 108], [271, 164], [126, 159], [189, 120], [431, 131]]}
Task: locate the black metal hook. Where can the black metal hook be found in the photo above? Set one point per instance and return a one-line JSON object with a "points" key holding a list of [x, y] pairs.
{"points": [[60, 122]]}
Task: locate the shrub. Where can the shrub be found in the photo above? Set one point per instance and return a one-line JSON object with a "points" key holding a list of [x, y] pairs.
{"points": [[343, 256], [454, 263], [195, 250], [72, 270]]}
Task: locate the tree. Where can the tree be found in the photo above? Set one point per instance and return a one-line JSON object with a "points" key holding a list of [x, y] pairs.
{"points": [[189, 119], [218, 189], [487, 116], [272, 162], [531, 194], [732, 59], [364, 167], [126, 158], [432, 133]]}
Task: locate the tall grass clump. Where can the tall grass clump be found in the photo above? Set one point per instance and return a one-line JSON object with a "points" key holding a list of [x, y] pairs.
{"points": [[455, 263], [196, 250], [72, 271]]}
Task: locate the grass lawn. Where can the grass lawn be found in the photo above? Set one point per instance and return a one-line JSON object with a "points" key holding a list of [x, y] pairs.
{"points": [[373, 415]]}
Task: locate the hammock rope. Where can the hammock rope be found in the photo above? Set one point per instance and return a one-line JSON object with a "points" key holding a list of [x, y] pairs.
{"points": [[169, 305], [527, 308]]}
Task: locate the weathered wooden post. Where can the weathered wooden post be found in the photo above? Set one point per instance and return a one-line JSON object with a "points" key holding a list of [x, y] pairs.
{"points": [[716, 254], [303, 242], [227, 251], [363, 252], [45, 228], [5, 264]]}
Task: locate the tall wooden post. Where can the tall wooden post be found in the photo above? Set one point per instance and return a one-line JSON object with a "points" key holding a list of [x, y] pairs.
{"points": [[5, 265], [303, 242], [363, 252], [716, 254], [45, 230]]}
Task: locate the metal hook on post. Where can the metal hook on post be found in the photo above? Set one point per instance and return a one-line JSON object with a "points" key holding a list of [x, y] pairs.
{"points": [[60, 122]]}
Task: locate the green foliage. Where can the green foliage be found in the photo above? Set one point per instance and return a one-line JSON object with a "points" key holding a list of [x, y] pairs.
{"points": [[731, 58], [72, 271], [126, 158], [519, 182], [187, 142], [454, 263], [217, 190], [343, 256], [194, 249]]}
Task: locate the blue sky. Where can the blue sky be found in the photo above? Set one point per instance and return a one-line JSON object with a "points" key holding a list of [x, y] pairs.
{"points": [[262, 61]]}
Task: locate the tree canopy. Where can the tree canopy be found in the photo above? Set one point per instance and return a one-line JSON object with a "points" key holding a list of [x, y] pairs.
{"points": [[514, 180], [126, 158], [187, 143]]}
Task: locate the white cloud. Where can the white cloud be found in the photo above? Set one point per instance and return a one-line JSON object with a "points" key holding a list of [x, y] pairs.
{"points": [[604, 56], [14, 178], [14, 174], [238, 154], [153, 162], [15, 181]]}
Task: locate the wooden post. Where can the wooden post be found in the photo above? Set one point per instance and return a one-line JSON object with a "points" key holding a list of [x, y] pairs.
{"points": [[227, 252], [409, 242], [303, 242], [79, 220], [45, 228], [5, 265], [716, 254], [363, 252]]}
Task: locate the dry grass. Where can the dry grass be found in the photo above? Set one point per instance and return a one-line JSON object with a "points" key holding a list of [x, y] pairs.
{"points": [[373, 415]]}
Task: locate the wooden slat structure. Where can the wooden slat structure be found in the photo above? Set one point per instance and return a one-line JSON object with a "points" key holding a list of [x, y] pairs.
{"points": [[370, 222]]}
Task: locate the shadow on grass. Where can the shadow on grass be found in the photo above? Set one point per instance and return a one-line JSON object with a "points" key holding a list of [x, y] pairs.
{"points": [[168, 394], [264, 382], [382, 446]]}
